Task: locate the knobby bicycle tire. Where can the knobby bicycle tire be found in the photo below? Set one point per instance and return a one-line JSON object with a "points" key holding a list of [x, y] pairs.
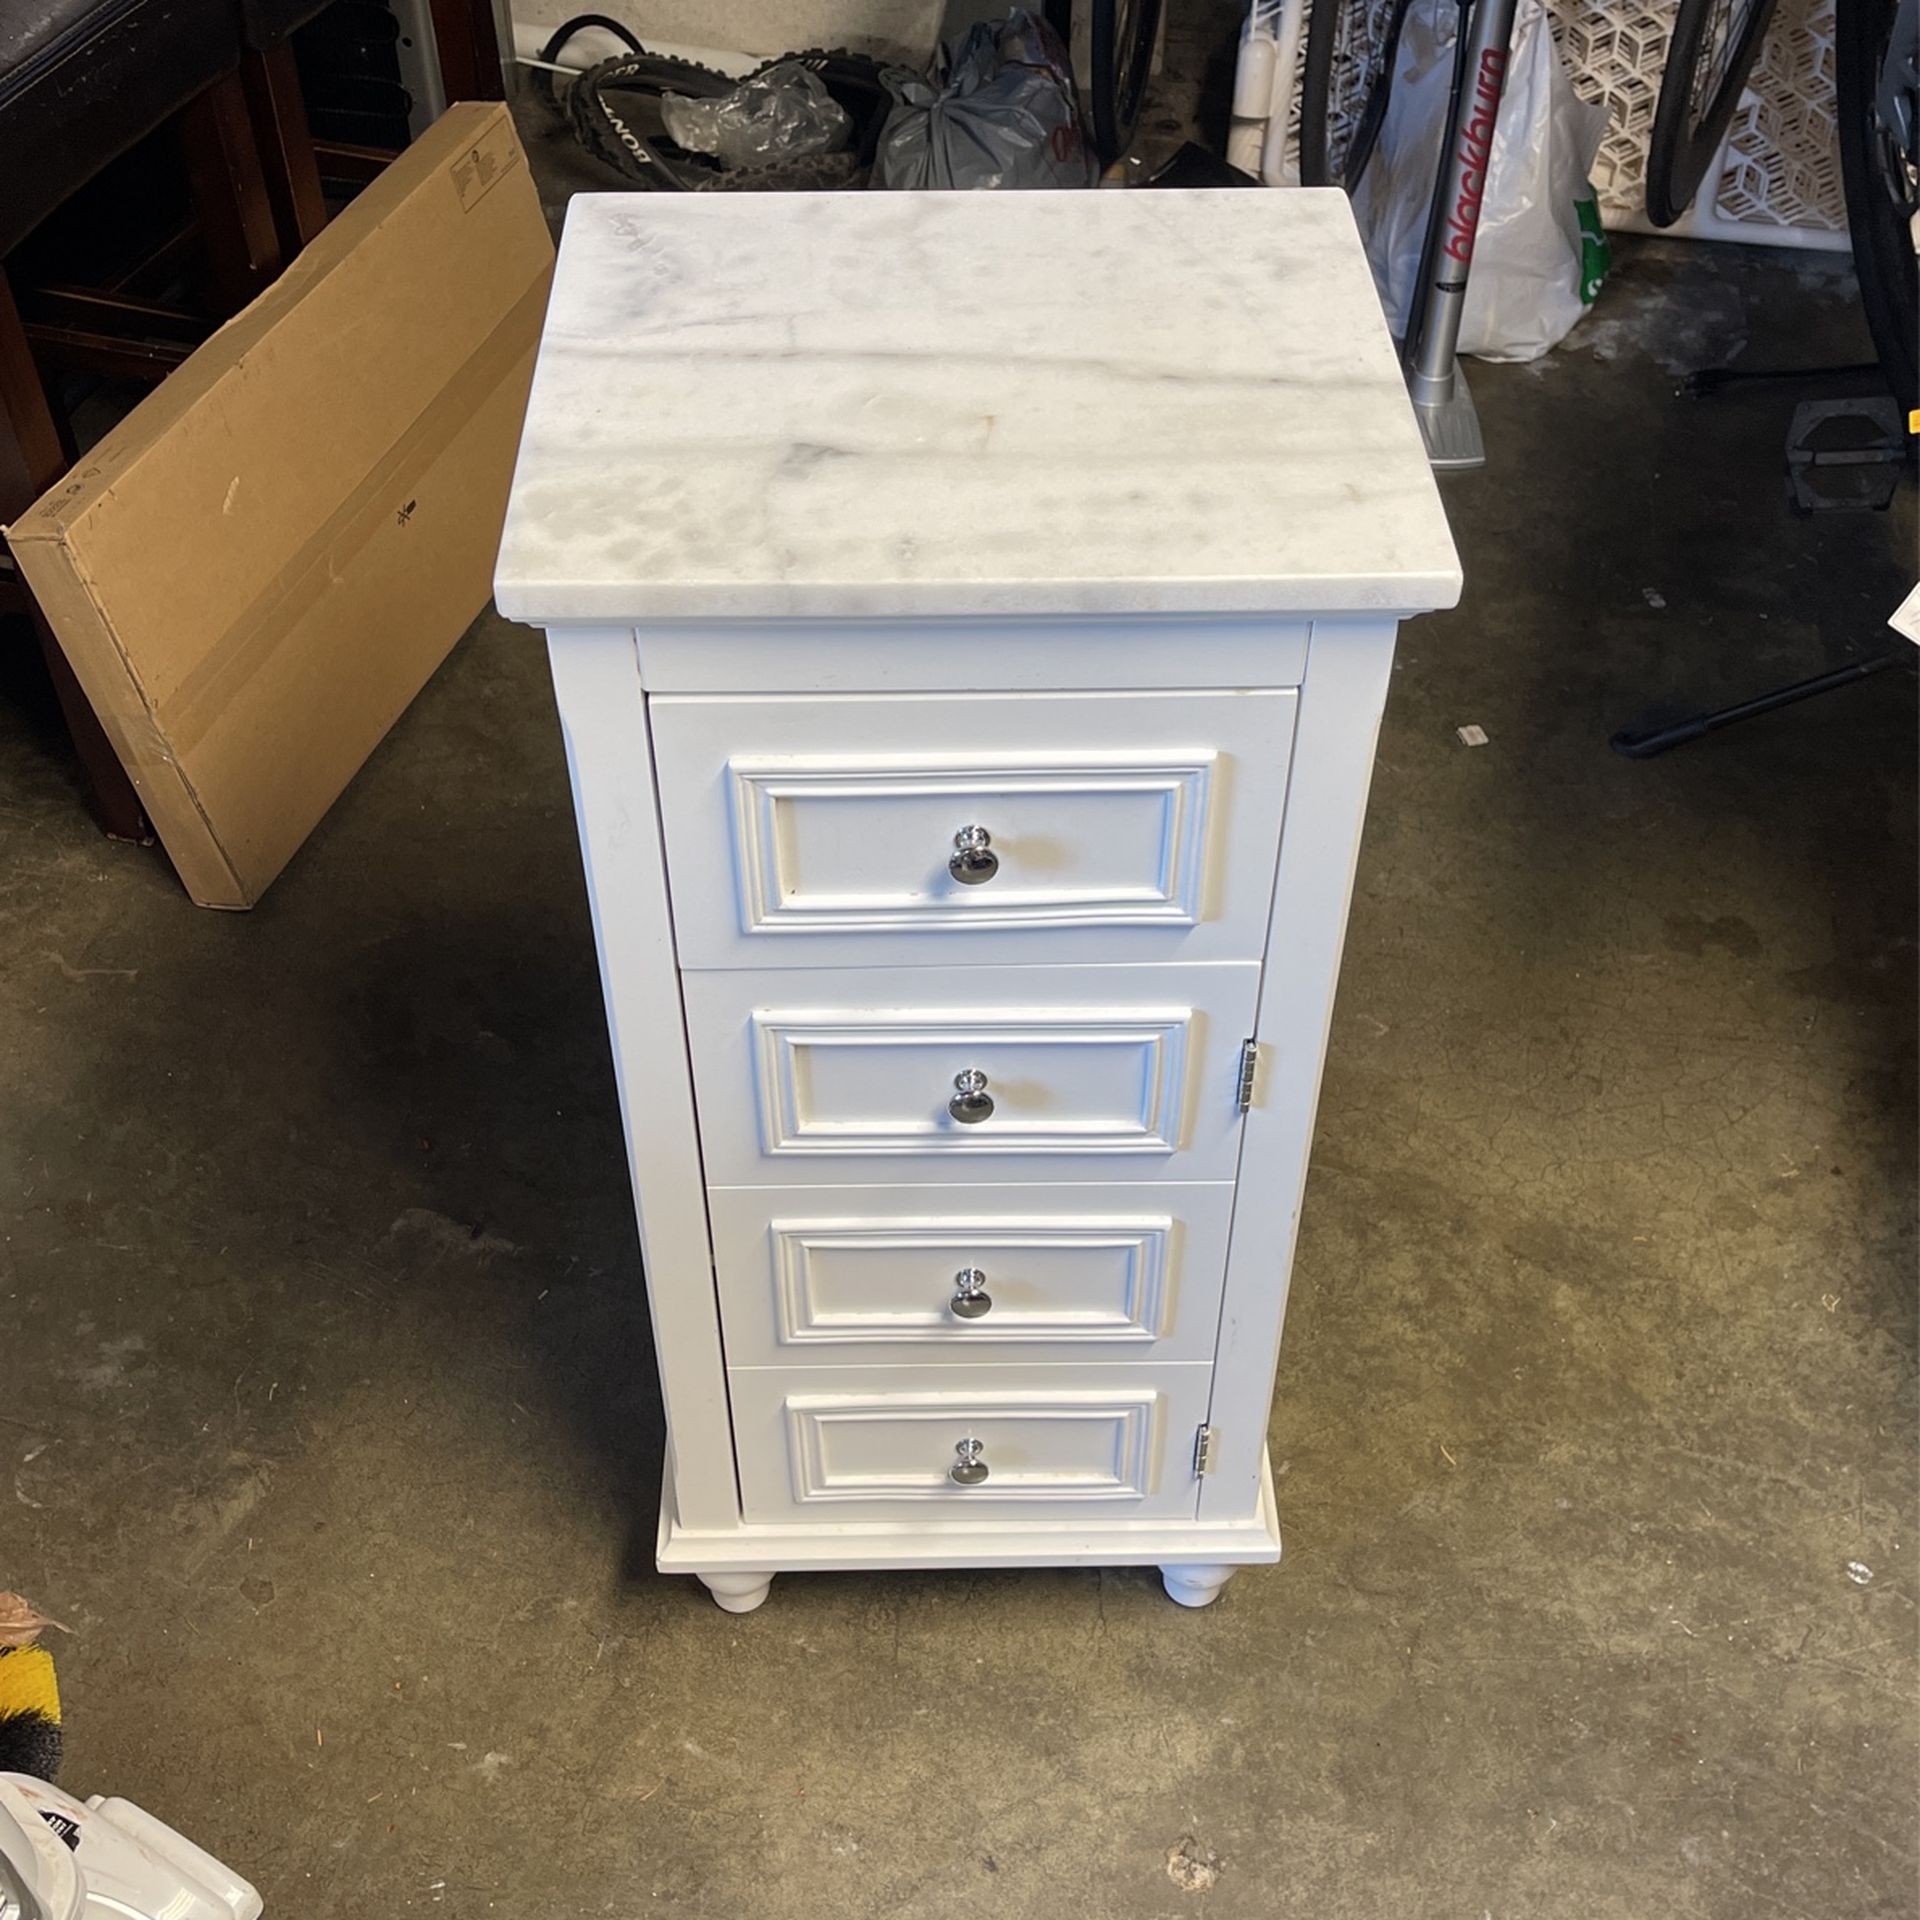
{"points": [[1319, 165], [626, 136]]}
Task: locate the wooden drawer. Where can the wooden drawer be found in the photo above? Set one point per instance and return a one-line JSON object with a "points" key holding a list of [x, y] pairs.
{"points": [[1093, 1073], [867, 1275], [819, 831], [837, 1447]]}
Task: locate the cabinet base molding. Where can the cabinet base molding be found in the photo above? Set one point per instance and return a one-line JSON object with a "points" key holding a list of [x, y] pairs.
{"points": [[1196, 1558]]}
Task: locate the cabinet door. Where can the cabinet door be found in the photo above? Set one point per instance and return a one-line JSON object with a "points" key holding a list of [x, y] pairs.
{"points": [[817, 832], [970, 1074]]}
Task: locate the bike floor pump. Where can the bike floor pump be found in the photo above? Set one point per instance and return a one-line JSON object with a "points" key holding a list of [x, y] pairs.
{"points": [[1435, 384]]}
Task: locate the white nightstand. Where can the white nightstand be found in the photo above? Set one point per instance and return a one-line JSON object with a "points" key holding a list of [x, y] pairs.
{"points": [[971, 617]]}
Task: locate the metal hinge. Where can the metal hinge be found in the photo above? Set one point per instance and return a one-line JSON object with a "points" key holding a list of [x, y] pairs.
{"points": [[1203, 1450], [1249, 1066]]}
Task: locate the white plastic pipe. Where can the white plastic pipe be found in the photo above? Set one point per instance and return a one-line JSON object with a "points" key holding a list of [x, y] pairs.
{"points": [[1275, 168], [1252, 88]]}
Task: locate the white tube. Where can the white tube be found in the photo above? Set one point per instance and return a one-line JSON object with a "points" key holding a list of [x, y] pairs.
{"points": [[1275, 168], [1252, 89]]}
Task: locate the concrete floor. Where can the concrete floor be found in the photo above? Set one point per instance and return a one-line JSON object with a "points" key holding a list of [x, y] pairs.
{"points": [[326, 1404]]}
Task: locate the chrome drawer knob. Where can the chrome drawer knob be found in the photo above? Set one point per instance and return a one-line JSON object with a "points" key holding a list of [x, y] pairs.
{"points": [[968, 1470], [971, 1102], [971, 1300], [973, 860]]}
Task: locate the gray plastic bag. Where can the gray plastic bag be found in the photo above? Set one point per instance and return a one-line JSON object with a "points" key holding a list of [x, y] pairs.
{"points": [[1004, 115]]}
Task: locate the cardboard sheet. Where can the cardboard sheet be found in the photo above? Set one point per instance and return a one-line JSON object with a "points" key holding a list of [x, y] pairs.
{"points": [[259, 568]]}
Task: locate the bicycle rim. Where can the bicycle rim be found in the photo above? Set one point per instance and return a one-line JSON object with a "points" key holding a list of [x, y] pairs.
{"points": [[1122, 36], [1711, 53]]}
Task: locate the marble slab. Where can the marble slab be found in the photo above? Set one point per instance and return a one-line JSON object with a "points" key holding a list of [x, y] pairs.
{"points": [[863, 405]]}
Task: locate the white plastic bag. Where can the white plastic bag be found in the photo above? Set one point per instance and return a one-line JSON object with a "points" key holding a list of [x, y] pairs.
{"points": [[1532, 277]]}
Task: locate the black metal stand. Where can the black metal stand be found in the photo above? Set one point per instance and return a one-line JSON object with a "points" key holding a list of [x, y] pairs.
{"points": [[1704, 382], [1643, 746], [1702, 385]]}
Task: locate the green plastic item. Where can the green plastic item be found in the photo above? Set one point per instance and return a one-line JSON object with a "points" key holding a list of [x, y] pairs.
{"points": [[1596, 251]]}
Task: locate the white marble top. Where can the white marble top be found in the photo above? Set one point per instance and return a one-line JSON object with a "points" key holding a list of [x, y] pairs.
{"points": [[865, 404]]}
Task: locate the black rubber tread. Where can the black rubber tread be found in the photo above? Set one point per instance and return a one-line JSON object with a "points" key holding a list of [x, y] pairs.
{"points": [[1317, 167], [810, 173], [1883, 259], [556, 44], [1680, 148], [854, 80], [645, 157], [641, 154]]}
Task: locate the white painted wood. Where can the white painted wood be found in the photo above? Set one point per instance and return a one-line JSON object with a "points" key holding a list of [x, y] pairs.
{"points": [[603, 717], [843, 1276], [1106, 1538], [1011, 655], [1126, 602], [1341, 703], [1073, 1441], [818, 832], [1191, 1586], [1095, 1072], [739, 1592]]}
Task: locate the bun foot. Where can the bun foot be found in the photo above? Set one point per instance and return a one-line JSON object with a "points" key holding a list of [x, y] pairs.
{"points": [[1195, 1586], [737, 1592]]}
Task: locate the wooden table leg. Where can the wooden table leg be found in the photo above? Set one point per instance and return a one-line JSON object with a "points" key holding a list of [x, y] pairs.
{"points": [[31, 457], [285, 143], [469, 49], [31, 460], [230, 193]]}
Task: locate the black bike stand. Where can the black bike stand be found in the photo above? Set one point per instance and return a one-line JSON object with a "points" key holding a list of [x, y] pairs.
{"points": [[1643, 746], [1854, 483]]}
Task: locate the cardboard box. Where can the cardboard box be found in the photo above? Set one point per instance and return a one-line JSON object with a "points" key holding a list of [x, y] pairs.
{"points": [[258, 569]]}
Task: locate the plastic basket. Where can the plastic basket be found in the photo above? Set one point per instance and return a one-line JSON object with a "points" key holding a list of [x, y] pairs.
{"points": [[1775, 182]]}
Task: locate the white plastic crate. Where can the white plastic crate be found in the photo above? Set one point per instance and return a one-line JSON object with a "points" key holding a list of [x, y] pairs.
{"points": [[1775, 182]]}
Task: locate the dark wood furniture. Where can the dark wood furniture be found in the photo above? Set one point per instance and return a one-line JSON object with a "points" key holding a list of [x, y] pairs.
{"points": [[210, 87]]}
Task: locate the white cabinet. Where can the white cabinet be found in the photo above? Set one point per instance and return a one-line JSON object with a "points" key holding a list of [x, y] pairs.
{"points": [[1080, 1443], [969, 680], [906, 1276], [970, 1073], [821, 833]]}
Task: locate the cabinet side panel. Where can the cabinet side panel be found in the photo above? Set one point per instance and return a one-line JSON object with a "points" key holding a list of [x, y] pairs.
{"points": [[1341, 701], [609, 759]]}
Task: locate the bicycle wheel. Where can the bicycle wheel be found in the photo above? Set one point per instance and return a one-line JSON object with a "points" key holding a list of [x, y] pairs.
{"points": [[1876, 58], [1121, 34], [1714, 46], [1345, 82]]}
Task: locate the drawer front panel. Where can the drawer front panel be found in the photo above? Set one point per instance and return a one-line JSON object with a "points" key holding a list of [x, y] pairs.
{"points": [[834, 1446], [870, 1275], [1090, 1072], [819, 832]]}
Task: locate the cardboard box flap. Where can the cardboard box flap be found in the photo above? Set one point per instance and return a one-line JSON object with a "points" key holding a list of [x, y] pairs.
{"points": [[249, 437], [206, 565]]}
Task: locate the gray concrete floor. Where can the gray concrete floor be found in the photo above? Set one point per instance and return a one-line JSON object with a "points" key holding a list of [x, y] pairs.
{"points": [[326, 1410]]}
